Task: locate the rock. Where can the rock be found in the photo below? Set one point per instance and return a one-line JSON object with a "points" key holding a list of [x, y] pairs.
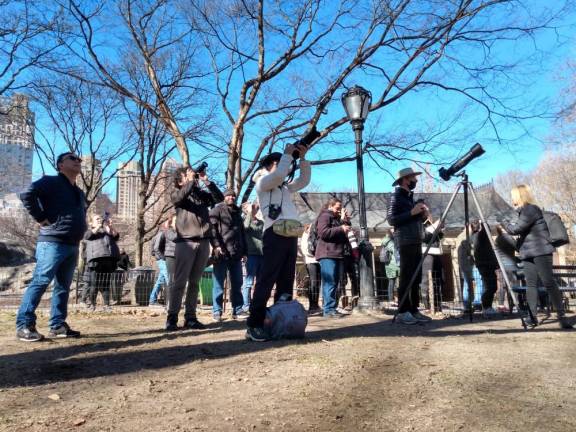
{"points": [[54, 397], [79, 422]]}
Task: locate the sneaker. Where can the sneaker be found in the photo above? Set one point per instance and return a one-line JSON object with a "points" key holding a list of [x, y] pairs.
{"points": [[107, 309], [171, 326], [314, 311], [406, 318], [420, 317], [530, 323], [488, 312], [64, 331], [193, 324], [28, 334], [217, 317], [240, 315], [256, 334], [153, 303], [334, 315]]}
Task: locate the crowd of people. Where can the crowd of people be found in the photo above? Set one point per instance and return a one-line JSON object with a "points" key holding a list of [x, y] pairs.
{"points": [[207, 226]]}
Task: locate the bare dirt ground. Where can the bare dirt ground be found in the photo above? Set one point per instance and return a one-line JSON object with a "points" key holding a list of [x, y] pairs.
{"points": [[357, 373]]}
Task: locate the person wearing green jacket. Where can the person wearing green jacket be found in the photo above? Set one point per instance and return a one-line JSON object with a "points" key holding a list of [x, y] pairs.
{"points": [[390, 264]]}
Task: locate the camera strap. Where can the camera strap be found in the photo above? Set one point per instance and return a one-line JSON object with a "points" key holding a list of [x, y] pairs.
{"points": [[270, 197]]}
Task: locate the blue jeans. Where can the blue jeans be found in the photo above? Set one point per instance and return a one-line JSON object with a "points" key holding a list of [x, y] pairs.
{"points": [[330, 272], [234, 267], [54, 261], [253, 264], [475, 276], [162, 279]]}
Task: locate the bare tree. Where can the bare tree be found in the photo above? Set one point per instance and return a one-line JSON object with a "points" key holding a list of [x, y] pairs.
{"points": [[279, 66], [109, 41], [82, 116], [24, 42]]}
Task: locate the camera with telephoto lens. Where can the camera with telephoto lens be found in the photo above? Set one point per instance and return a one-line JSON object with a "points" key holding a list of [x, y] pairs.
{"points": [[200, 169], [274, 211], [306, 140]]}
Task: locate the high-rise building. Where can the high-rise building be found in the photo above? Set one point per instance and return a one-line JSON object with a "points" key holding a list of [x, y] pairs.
{"points": [[16, 144], [160, 198], [91, 177], [127, 190]]}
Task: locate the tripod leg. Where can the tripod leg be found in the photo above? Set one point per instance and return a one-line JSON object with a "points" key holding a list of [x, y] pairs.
{"points": [[508, 284], [425, 254]]}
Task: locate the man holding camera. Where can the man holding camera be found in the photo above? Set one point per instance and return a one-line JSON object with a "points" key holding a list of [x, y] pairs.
{"points": [[192, 205], [59, 207], [280, 243], [407, 218]]}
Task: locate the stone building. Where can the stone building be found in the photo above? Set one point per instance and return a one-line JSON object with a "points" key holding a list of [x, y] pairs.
{"points": [[16, 144]]}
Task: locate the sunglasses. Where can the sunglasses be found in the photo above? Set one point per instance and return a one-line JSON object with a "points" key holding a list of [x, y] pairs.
{"points": [[73, 158]]}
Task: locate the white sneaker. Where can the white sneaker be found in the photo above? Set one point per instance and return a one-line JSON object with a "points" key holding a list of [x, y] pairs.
{"points": [[420, 317], [406, 318]]}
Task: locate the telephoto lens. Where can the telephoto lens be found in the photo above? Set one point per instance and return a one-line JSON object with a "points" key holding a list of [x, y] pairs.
{"points": [[306, 140]]}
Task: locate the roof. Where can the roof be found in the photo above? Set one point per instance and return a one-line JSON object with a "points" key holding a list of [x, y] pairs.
{"points": [[491, 203]]}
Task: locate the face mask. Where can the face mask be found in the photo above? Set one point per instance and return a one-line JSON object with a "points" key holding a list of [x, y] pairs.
{"points": [[412, 185]]}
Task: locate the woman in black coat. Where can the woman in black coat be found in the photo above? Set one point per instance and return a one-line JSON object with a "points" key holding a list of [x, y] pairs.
{"points": [[535, 252]]}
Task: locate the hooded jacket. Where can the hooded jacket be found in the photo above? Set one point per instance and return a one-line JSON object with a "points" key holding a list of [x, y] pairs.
{"points": [[271, 189], [192, 210], [331, 236]]}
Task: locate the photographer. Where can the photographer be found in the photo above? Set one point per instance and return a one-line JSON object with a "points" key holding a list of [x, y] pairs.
{"points": [[280, 243], [407, 219], [192, 250], [229, 250], [333, 226], [102, 255], [536, 253]]}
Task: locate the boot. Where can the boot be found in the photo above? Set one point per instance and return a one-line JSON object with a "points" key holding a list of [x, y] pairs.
{"points": [[565, 323], [171, 323]]}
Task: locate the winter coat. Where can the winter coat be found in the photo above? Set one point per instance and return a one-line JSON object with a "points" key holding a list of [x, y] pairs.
{"points": [[228, 230], [308, 257], [484, 255], [271, 189], [408, 229], [506, 248], [164, 244], [465, 260], [63, 204], [101, 244], [253, 231], [192, 210], [331, 236], [533, 232]]}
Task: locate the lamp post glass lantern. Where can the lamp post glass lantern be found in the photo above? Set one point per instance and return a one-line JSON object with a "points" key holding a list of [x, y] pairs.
{"points": [[356, 103]]}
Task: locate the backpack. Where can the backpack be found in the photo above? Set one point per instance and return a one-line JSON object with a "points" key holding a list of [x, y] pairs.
{"points": [[312, 239], [556, 228], [385, 254], [286, 319]]}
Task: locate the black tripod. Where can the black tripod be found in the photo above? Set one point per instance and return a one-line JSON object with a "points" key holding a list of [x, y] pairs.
{"points": [[467, 187]]}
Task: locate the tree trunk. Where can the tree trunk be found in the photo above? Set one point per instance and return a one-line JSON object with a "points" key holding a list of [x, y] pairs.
{"points": [[140, 224]]}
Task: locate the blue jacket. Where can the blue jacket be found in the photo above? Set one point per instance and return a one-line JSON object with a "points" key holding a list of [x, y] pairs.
{"points": [[63, 204]]}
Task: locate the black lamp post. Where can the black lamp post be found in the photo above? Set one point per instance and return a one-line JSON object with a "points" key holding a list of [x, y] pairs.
{"points": [[356, 102]]}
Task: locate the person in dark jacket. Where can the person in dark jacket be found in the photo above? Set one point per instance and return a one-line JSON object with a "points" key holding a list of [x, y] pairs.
{"points": [[506, 250], [407, 218], [170, 237], [486, 263], [59, 207], [229, 250], [332, 226], [535, 252], [253, 231], [124, 262], [192, 204], [102, 255]]}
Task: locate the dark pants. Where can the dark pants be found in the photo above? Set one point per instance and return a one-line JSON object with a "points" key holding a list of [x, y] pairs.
{"points": [[350, 271], [170, 269], [541, 267], [278, 268], [315, 280], [101, 273], [410, 256], [489, 285]]}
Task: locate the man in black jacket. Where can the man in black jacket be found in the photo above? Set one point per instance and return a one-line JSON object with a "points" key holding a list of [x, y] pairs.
{"points": [[486, 263], [192, 204], [59, 207], [229, 250], [407, 219]]}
